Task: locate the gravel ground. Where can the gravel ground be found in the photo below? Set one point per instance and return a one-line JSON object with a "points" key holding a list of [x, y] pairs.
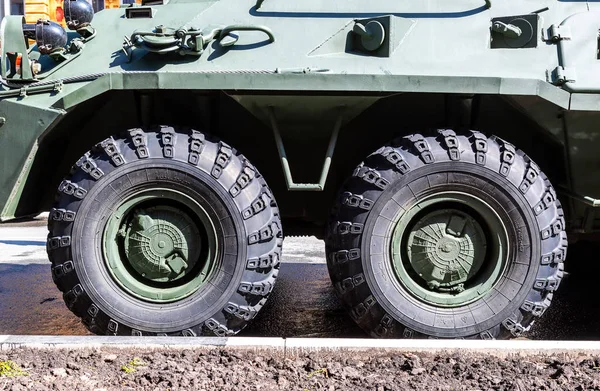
{"points": [[235, 369]]}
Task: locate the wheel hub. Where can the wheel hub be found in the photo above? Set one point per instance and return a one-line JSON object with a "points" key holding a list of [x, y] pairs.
{"points": [[160, 245], [446, 247], [157, 247]]}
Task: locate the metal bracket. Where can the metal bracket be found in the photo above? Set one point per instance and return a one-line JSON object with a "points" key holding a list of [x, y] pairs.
{"points": [[592, 205], [284, 162], [13, 45], [589, 201], [57, 86]]}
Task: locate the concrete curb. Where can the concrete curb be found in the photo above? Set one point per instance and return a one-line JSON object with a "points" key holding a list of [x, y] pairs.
{"points": [[291, 346], [9, 342], [499, 348]]}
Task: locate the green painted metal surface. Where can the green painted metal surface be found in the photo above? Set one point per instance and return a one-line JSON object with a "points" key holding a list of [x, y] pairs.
{"points": [[449, 249], [160, 245], [445, 248], [19, 137], [542, 49]]}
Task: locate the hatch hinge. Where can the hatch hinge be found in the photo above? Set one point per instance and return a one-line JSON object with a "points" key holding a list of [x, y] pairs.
{"points": [[557, 33], [560, 75]]}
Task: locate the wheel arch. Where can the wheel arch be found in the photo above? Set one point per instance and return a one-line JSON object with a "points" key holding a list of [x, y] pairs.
{"points": [[531, 123], [93, 120]]}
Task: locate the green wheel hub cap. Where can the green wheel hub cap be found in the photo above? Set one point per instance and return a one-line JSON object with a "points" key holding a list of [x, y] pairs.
{"points": [[449, 250], [156, 243], [445, 248], [160, 245]]}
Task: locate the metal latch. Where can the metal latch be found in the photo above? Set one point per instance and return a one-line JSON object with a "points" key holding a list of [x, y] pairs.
{"points": [[514, 32], [507, 29]]}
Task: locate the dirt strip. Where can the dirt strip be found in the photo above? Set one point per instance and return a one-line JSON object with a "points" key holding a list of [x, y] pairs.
{"points": [[244, 369]]}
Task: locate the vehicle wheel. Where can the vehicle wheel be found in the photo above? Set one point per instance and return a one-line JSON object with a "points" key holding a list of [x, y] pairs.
{"points": [[164, 232], [447, 236]]}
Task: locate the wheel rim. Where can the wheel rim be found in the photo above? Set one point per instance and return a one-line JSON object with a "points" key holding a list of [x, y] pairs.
{"points": [[160, 245], [449, 249]]}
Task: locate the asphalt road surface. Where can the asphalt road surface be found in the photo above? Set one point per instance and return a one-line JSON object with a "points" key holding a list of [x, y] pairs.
{"points": [[303, 303]]}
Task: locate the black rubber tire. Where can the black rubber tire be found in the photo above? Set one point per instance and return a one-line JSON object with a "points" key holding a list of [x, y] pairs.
{"points": [[359, 231], [232, 191]]}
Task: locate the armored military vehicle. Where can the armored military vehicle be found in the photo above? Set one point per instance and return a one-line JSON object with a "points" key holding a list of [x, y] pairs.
{"points": [[442, 149]]}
